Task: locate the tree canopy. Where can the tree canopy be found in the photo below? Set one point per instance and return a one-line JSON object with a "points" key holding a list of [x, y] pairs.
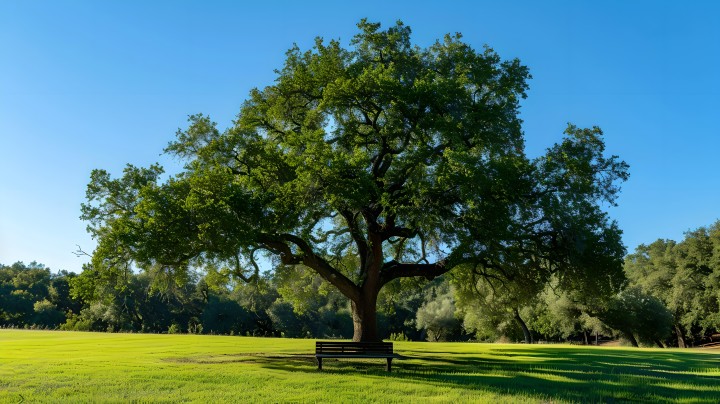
{"points": [[685, 276], [368, 164]]}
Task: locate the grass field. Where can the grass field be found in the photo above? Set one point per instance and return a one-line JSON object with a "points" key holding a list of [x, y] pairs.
{"points": [[48, 366]]}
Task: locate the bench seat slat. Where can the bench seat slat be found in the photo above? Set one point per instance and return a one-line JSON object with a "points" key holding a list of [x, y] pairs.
{"points": [[349, 350]]}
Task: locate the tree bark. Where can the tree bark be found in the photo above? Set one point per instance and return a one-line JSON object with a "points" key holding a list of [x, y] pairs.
{"points": [[680, 337], [521, 323], [364, 315], [632, 339], [364, 308], [586, 338]]}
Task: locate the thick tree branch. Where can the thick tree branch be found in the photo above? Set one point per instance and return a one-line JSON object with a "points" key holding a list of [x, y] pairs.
{"points": [[281, 249], [322, 267], [394, 270], [357, 235], [239, 272], [398, 231], [327, 235]]}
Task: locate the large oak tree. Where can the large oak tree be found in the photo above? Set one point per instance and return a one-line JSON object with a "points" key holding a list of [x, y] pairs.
{"points": [[368, 164]]}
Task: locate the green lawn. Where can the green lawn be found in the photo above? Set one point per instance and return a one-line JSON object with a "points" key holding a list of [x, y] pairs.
{"points": [[45, 366]]}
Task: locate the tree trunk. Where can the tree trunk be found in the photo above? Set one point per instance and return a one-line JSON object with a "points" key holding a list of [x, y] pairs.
{"points": [[586, 338], [364, 314], [680, 338], [364, 309], [526, 331], [632, 339], [659, 343]]}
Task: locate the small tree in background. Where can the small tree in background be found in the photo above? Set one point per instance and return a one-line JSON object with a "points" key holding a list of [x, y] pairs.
{"points": [[437, 315], [638, 317]]}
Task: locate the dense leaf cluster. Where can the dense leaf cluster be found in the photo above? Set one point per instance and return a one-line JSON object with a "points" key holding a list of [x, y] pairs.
{"points": [[685, 277], [671, 298], [30, 295], [285, 303]]}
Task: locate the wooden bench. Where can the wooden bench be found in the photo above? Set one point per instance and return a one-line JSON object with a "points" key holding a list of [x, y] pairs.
{"points": [[353, 350]]}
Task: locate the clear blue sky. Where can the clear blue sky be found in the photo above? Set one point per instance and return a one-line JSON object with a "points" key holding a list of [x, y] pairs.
{"points": [[98, 84]]}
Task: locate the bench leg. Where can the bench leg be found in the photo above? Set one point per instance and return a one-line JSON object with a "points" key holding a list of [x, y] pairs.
{"points": [[319, 363], [389, 364]]}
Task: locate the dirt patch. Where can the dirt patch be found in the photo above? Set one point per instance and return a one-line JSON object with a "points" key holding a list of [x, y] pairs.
{"points": [[612, 343], [252, 357]]}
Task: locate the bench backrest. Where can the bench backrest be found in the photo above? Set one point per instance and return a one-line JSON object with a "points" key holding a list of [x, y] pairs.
{"points": [[334, 347]]}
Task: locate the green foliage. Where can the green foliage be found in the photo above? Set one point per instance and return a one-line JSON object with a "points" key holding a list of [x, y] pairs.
{"points": [[560, 238], [486, 312], [31, 296], [437, 317], [286, 320], [684, 277], [47, 314], [638, 317], [224, 316], [257, 298], [307, 307], [399, 302], [80, 322], [559, 316], [554, 317], [95, 317], [302, 287]]}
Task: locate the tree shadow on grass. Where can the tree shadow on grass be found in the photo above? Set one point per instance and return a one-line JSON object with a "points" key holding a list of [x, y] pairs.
{"points": [[590, 359], [562, 373], [590, 374], [572, 374]]}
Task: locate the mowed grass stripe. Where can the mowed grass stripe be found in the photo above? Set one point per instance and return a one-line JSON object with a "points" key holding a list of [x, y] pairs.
{"points": [[49, 366]]}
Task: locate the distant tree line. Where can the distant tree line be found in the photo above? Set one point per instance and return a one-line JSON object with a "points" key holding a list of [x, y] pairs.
{"points": [[684, 278], [288, 302], [671, 298]]}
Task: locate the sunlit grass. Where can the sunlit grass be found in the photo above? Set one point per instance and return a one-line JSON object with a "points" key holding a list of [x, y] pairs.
{"points": [[43, 366]]}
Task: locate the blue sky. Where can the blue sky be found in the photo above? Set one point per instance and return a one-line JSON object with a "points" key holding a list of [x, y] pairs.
{"points": [[89, 84]]}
